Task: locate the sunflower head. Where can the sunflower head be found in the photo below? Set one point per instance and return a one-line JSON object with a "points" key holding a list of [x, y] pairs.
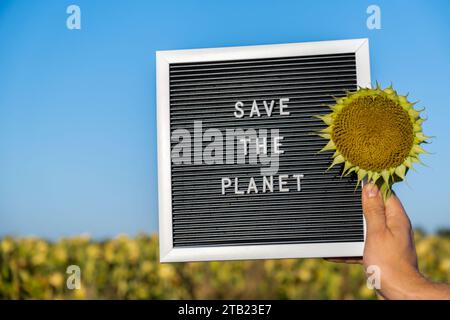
{"points": [[375, 133]]}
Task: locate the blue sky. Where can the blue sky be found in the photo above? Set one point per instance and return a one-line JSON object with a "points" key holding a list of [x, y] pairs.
{"points": [[77, 107]]}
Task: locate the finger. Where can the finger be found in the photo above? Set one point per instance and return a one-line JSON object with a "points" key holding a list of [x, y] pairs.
{"points": [[396, 216], [373, 208], [351, 260]]}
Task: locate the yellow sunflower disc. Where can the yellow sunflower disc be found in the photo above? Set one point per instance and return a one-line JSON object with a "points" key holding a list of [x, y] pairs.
{"points": [[375, 133]]}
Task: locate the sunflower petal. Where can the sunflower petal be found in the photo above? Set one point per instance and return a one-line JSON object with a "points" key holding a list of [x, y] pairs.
{"points": [[330, 146], [328, 119], [325, 135], [385, 174], [400, 171]]}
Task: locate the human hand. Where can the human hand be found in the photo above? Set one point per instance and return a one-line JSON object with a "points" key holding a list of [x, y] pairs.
{"points": [[390, 247]]}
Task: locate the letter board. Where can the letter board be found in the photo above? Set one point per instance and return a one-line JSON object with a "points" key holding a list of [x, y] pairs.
{"points": [[239, 173]]}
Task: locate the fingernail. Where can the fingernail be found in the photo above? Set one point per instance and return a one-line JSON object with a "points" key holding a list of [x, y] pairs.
{"points": [[372, 190]]}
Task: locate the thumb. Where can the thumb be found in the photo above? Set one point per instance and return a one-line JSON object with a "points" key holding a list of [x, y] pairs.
{"points": [[396, 217], [373, 208]]}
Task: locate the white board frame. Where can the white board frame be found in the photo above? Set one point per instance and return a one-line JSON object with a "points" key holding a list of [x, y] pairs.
{"points": [[163, 59]]}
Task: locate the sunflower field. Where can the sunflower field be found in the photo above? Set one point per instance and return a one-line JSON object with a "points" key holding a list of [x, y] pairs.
{"points": [[129, 268]]}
